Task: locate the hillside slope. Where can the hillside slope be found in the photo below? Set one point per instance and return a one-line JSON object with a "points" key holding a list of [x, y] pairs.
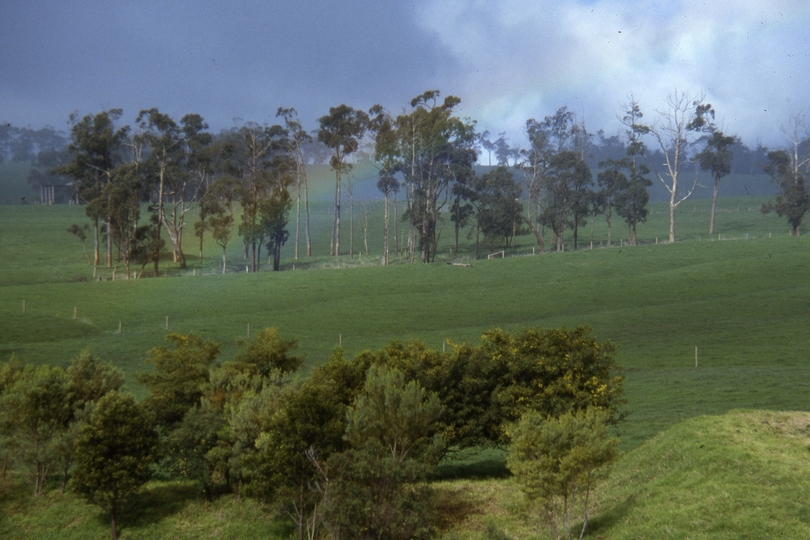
{"points": [[740, 475]]}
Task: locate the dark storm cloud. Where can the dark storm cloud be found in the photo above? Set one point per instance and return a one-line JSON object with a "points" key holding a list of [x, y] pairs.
{"points": [[224, 60], [508, 60]]}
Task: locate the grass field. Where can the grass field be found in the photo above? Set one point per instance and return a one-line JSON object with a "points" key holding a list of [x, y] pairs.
{"points": [[741, 298]]}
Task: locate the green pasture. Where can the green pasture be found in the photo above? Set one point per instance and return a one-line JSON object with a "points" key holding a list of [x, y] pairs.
{"points": [[736, 476], [741, 298]]}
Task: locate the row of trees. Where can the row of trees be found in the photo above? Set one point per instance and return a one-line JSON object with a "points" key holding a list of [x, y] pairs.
{"points": [[344, 451], [427, 153], [174, 167]]}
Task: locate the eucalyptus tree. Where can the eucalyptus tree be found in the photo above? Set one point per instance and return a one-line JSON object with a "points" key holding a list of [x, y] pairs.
{"points": [[97, 147], [216, 214], [341, 130], [793, 202], [675, 130], [612, 181], [631, 202], [258, 157], [388, 185], [532, 164], [178, 164], [499, 208], [432, 149], [123, 195], [716, 158], [549, 137], [298, 138], [381, 125], [565, 187]]}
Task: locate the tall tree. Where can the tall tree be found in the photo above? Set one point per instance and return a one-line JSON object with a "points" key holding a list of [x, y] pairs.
{"points": [[216, 214], [123, 196], [565, 186], [716, 158], [793, 202], [789, 170], [674, 131], [298, 141], [432, 148], [341, 130], [533, 164], [631, 202], [164, 166], [388, 185], [258, 157], [97, 147], [499, 208]]}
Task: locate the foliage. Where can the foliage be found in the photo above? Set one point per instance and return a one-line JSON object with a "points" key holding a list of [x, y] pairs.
{"points": [[553, 372], [191, 448], [793, 202], [432, 149], [114, 449], [498, 207], [300, 429], [34, 410], [97, 149], [716, 157], [180, 377], [265, 354], [564, 186], [375, 488], [556, 461], [341, 131]]}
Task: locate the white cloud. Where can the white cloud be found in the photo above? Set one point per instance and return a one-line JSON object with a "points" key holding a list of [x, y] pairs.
{"points": [[526, 58]]}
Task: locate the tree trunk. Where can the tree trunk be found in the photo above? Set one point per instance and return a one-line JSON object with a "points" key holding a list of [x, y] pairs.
{"points": [[113, 526], [672, 207], [714, 204], [385, 233], [297, 214], [477, 234], [224, 261], [537, 235], [396, 224], [306, 207], [95, 242], [108, 250]]}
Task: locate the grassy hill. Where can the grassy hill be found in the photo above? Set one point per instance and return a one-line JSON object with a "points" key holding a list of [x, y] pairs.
{"points": [[740, 297], [741, 475]]}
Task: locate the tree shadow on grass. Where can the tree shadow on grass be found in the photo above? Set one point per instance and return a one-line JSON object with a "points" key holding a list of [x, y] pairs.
{"points": [[605, 521], [157, 501], [473, 464]]}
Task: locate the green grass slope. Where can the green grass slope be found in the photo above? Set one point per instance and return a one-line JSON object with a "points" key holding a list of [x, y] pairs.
{"points": [[159, 510], [742, 475]]}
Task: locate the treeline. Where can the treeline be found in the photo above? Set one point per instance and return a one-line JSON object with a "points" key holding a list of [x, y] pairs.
{"points": [[425, 155], [345, 450]]}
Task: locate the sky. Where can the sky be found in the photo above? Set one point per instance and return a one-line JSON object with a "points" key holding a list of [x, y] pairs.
{"points": [[507, 60]]}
